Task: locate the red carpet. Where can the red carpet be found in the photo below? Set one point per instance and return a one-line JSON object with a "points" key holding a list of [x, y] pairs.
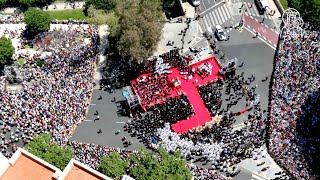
{"points": [[202, 115], [242, 112]]}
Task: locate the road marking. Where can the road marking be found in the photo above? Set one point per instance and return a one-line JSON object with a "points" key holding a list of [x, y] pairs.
{"points": [[228, 13], [205, 21], [92, 104], [261, 38], [200, 29], [224, 9], [88, 120], [216, 17], [221, 16], [120, 122], [211, 7], [256, 177], [212, 16]]}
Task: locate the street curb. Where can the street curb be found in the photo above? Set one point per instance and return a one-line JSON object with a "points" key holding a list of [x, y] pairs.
{"points": [[279, 6]]}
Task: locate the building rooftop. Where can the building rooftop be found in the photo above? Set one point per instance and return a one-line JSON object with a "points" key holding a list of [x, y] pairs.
{"points": [[79, 171], [24, 165]]}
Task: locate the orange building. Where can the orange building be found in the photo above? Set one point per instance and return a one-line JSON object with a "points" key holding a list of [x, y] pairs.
{"points": [[26, 166]]}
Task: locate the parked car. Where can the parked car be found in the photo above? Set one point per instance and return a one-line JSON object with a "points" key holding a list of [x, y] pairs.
{"points": [[195, 3], [221, 35]]}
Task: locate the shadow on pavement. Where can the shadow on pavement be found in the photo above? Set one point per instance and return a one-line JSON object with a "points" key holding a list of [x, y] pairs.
{"points": [[307, 133]]}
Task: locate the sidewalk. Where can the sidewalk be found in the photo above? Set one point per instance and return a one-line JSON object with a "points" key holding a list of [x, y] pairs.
{"points": [[251, 165], [275, 17], [172, 32]]}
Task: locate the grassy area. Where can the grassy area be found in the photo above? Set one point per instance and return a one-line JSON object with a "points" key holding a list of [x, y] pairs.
{"points": [[20, 61], [28, 47], [284, 4], [67, 14]]}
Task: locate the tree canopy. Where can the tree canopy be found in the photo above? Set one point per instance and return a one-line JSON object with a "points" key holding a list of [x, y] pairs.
{"points": [[33, 3], [159, 165], [147, 165], [36, 21], [309, 9], [168, 7], [106, 5], [136, 25], [113, 166], [42, 147], [6, 50], [3, 3]]}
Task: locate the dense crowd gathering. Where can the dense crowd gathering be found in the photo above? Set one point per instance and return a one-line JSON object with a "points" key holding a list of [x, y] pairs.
{"points": [[91, 154], [295, 104], [145, 126], [152, 88], [175, 109], [54, 97], [211, 96], [11, 19], [219, 143]]}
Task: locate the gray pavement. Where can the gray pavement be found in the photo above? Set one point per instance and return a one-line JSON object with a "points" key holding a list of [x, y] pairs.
{"points": [[110, 120], [172, 32]]}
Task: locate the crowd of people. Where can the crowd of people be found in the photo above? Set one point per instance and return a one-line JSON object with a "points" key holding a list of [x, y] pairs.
{"points": [[211, 96], [54, 96], [145, 126], [295, 104], [11, 19], [152, 88], [91, 154], [175, 109]]}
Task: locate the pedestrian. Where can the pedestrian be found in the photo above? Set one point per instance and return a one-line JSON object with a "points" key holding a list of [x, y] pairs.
{"points": [[100, 131], [97, 118], [97, 113], [100, 97]]}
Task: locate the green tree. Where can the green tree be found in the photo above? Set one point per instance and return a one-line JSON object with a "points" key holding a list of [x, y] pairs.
{"points": [[113, 166], [167, 6], [137, 28], [33, 3], [309, 9], [160, 165], [36, 21], [42, 147], [6, 50], [3, 3], [106, 5], [97, 17], [113, 22]]}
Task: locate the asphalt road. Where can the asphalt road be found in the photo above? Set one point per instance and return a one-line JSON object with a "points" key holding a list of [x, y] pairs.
{"points": [[110, 120]]}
